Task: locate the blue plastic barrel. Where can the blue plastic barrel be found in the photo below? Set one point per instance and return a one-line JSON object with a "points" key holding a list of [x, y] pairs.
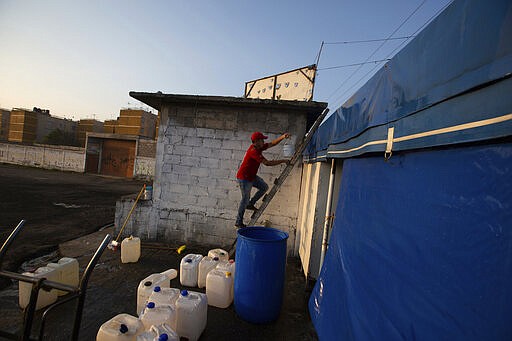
{"points": [[260, 270]]}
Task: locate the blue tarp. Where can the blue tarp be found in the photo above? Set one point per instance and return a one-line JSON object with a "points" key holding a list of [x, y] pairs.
{"points": [[440, 80], [421, 248]]}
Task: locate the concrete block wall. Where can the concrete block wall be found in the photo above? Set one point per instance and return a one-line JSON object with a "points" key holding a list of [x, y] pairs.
{"points": [[43, 156], [196, 194]]}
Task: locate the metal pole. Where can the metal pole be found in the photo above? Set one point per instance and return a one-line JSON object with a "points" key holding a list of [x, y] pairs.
{"points": [[328, 218]]}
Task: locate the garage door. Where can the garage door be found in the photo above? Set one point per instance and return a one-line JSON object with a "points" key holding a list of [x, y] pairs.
{"points": [[118, 158]]}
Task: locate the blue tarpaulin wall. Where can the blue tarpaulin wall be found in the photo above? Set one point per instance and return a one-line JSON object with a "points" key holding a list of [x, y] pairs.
{"points": [[451, 84], [421, 249]]}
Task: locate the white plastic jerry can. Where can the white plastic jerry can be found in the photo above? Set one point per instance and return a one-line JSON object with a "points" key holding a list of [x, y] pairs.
{"points": [[189, 268], [146, 287], [219, 286], [206, 265], [67, 269], [159, 333], [122, 327], [191, 314], [158, 314], [228, 265], [164, 296], [44, 298], [130, 250], [220, 253], [162, 332]]}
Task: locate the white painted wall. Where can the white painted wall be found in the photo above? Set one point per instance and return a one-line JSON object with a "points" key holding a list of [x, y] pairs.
{"points": [[195, 192], [43, 156]]}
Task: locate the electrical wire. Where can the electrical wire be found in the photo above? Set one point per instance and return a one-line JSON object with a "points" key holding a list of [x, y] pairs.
{"points": [[388, 57], [348, 65], [377, 49], [365, 41]]}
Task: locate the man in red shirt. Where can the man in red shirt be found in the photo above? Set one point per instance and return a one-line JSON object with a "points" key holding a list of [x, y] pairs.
{"points": [[246, 175]]}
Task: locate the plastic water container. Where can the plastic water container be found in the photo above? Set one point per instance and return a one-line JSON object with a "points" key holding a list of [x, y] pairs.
{"points": [[122, 327], [146, 286], [206, 265], [130, 250], [259, 282], [162, 332], [163, 296], [44, 298], [219, 288], [191, 314], [189, 268], [220, 253], [288, 149], [67, 269], [148, 193], [158, 314], [228, 265]]}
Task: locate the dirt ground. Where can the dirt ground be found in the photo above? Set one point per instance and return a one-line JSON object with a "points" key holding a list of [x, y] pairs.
{"points": [[113, 285], [58, 206]]}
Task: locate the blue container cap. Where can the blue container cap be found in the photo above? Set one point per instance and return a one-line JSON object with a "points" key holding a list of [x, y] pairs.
{"points": [[151, 305], [156, 289], [123, 328], [163, 337], [184, 293]]}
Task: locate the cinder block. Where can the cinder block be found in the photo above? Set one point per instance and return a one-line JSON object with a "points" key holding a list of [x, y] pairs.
{"points": [[206, 201], [182, 150], [206, 132], [209, 163], [190, 161], [199, 172], [179, 189], [192, 141], [179, 169]]}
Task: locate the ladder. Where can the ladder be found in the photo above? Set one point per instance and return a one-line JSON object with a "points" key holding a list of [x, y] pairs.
{"points": [[278, 182]]}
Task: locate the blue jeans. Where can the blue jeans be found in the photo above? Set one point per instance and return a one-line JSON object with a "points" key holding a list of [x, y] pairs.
{"points": [[245, 188]]}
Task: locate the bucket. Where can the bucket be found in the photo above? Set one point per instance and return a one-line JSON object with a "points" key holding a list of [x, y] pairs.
{"points": [[159, 333], [206, 265], [288, 149], [191, 314], [189, 268], [260, 271], [158, 314], [218, 288], [122, 327], [67, 269], [130, 250], [44, 298], [219, 253], [148, 193]]}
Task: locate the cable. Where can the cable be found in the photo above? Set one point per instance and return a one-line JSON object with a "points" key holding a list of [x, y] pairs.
{"points": [[377, 49], [356, 64], [392, 52], [365, 41]]}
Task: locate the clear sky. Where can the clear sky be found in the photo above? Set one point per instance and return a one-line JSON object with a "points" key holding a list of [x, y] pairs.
{"points": [[80, 59]]}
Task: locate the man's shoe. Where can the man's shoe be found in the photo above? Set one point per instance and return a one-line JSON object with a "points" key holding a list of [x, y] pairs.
{"points": [[251, 207], [239, 226]]}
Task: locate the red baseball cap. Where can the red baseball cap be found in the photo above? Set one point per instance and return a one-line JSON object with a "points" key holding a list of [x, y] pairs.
{"points": [[257, 135]]}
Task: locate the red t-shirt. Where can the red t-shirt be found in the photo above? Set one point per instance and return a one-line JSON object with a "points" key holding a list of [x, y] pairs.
{"points": [[251, 163]]}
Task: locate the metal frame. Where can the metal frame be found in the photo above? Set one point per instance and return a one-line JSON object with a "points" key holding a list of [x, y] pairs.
{"points": [[42, 283]]}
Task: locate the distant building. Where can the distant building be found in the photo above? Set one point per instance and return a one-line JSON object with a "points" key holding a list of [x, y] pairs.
{"points": [[110, 126], [38, 126], [5, 116], [22, 126], [87, 126], [136, 122]]}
